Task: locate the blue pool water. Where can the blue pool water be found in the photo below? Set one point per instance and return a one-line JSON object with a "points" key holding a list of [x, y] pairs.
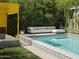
{"points": [[63, 41]]}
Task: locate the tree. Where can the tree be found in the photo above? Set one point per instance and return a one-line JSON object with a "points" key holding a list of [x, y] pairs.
{"points": [[45, 12], [40, 12]]}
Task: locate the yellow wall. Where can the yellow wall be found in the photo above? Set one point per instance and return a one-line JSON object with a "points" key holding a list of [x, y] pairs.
{"points": [[3, 20], [3, 17], [12, 8], [7, 9]]}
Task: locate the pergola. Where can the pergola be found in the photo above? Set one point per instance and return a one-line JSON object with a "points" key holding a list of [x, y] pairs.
{"points": [[7, 10]]}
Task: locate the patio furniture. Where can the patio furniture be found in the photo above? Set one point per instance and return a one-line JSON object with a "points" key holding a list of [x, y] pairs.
{"points": [[47, 29]]}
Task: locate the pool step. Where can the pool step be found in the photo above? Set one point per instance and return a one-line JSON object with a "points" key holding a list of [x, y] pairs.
{"points": [[52, 43]]}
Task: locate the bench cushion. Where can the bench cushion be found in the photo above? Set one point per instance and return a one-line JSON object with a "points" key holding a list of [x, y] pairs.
{"points": [[40, 29]]}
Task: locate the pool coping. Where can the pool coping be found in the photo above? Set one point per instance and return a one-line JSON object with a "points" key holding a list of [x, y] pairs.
{"points": [[56, 49]]}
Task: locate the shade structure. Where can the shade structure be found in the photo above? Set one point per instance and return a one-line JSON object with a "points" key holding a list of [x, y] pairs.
{"points": [[7, 9]]}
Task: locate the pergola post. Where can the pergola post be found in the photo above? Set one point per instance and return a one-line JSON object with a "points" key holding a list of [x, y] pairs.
{"points": [[18, 25]]}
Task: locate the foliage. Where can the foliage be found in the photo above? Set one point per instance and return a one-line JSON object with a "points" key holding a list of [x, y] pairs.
{"points": [[45, 12], [40, 12]]}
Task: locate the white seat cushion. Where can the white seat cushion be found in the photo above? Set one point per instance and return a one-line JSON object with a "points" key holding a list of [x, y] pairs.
{"points": [[58, 30]]}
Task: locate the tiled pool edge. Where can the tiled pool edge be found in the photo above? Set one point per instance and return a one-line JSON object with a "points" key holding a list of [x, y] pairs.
{"points": [[55, 49]]}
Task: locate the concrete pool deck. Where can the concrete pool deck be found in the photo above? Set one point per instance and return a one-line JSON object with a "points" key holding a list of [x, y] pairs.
{"points": [[9, 41], [38, 34], [40, 53]]}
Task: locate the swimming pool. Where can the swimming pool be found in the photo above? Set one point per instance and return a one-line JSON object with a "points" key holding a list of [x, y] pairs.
{"points": [[63, 41]]}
